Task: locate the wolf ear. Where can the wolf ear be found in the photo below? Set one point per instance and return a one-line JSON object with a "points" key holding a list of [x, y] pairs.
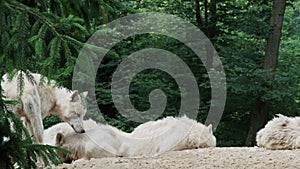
{"points": [[59, 139], [84, 94], [210, 128], [280, 115], [75, 96]]}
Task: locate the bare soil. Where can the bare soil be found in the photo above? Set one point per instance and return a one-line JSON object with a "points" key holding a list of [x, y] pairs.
{"points": [[206, 158]]}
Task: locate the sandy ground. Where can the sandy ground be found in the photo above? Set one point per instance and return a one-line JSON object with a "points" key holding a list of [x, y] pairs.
{"points": [[208, 158]]}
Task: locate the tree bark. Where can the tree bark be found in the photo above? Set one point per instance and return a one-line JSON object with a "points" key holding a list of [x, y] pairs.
{"points": [[205, 12], [260, 114], [271, 58], [258, 120], [198, 14], [210, 31], [212, 19]]}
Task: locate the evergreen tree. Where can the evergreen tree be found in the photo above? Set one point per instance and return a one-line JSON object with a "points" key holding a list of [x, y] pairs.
{"points": [[16, 145]]}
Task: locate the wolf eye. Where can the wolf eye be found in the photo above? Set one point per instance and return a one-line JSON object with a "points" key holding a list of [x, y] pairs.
{"points": [[30, 106]]}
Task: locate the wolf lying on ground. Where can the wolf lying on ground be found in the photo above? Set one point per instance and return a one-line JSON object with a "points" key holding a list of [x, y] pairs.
{"points": [[168, 134], [39, 100], [99, 142], [148, 139], [280, 133]]}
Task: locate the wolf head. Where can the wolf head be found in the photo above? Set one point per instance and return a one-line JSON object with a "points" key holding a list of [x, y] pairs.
{"points": [[67, 143], [201, 136], [74, 111], [198, 135], [208, 137]]}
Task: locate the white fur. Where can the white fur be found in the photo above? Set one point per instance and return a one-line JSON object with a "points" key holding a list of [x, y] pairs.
{"points": [[101, 141], [280, 133], [39, 100], [157, 137], [148, 139], [64, 128]]}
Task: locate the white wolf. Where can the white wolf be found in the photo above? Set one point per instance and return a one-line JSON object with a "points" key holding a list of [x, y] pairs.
{"points": [[280, 133], [39, 100], [101, 141], [148, 139], [168, 134]]}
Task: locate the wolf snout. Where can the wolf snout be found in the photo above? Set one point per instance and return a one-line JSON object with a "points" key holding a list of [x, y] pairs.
{"points": [[81, 130]]}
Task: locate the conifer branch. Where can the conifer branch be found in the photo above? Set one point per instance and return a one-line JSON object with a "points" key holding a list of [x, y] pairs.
{"points": [[43, 20]]}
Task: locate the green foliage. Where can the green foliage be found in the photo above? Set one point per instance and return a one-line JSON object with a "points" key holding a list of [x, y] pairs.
{"points": [[50, 121], [17, 147], [49, 33], [46, 36], [288, 67], [242, 29], [148, 80]]}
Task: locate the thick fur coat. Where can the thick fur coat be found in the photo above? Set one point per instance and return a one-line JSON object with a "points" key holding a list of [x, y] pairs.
{"points": [[64, 128], [280, 133], [168, 134], [40, 99], [148, 139], [101, 141]]}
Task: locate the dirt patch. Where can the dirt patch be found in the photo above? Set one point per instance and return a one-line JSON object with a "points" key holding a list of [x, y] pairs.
{"points": [[206, 158]]}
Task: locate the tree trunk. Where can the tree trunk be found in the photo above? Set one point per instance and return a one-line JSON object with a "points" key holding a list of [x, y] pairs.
{"points": [[272, 50], [258, 120], [261, 112], [205, 12], [210, 31], [198, 14]]}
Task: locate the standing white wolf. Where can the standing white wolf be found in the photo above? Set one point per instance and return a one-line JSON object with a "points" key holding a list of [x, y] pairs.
{"points": [[40, 99]]}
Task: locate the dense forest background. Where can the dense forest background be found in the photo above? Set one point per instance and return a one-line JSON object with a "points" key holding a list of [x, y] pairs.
{"points": [[46, 37]]}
